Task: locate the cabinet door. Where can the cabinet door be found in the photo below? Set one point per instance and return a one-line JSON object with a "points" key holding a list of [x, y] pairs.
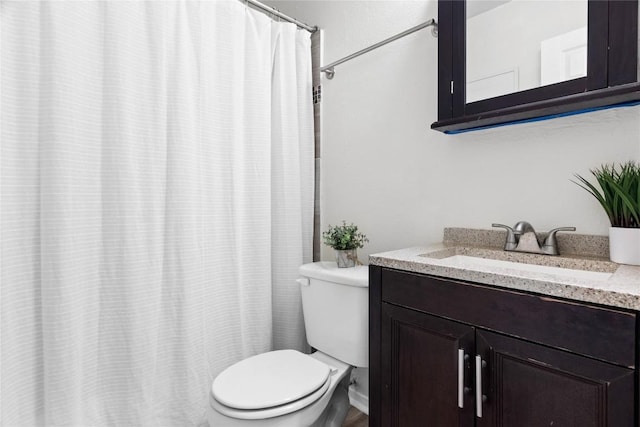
{"points": [[424, 374], [527, 384]]}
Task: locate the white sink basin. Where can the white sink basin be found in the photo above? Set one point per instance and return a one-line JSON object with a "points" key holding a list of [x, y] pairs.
{"points": [[465, 261]]}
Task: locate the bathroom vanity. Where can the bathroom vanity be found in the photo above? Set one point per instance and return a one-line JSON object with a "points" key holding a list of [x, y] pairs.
{"points": [[457, 339]]}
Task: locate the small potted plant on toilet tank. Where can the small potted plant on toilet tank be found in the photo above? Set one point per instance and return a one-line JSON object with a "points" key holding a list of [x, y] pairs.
{"points": [[619, 196], [345, 239]]}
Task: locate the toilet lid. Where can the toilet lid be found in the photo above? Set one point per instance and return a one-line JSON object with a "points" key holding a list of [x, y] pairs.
{"points": [[269, 379]]}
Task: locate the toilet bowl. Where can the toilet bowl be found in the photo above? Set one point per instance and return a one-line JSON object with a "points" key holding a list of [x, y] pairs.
{"points": [[325, 406], [287, 388]]}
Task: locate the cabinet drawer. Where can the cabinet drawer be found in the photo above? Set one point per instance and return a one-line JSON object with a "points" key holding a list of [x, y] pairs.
{"points": [[602, 333]]}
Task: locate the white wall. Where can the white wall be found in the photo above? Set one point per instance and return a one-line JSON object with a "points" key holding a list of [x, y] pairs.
{"points": [[402, 183]]}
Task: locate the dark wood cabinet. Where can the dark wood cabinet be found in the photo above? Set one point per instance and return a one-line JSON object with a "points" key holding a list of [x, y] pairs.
{"points": [[611, 71], [420, 354], [530, 385], [448, 353]]}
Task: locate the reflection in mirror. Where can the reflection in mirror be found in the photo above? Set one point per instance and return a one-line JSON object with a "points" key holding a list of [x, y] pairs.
{"points": [[515, 45]]}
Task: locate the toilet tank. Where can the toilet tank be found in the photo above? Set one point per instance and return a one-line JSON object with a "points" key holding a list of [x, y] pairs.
{"points": [[335, 302]]}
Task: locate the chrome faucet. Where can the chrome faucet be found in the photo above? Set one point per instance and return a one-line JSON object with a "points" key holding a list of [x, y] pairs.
{"points": [[523, 238]]}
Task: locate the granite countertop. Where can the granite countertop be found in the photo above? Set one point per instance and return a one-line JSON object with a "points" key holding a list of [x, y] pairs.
{"points": [[615, 285]]}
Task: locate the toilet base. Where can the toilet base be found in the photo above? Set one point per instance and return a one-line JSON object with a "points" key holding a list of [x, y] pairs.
{"points": [[336, 411]]}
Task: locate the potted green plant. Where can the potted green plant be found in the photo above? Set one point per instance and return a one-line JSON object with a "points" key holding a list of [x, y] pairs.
{"points": [[619, 196], [345, 239]]}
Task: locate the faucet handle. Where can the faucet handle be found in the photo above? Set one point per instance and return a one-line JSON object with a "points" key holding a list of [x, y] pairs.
{"points": [[550, 245], [512, 241], [555, 230], [506, 227]]}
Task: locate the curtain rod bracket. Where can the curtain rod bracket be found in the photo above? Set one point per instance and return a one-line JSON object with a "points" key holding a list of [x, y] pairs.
{"points": [[330, 71]]}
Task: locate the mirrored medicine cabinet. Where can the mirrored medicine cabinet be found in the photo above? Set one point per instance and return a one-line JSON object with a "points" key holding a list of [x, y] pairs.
{"points": [[504, 61]]}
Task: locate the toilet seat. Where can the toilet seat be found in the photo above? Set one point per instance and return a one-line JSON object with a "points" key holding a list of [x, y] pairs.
{"points": [[263, 414], [269, 385]]}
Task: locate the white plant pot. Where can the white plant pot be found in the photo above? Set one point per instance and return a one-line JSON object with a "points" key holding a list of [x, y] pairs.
{"points": [[624, 245]]}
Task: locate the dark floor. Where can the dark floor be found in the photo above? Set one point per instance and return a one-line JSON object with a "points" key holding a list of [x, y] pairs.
{"points": [[356, 418]]}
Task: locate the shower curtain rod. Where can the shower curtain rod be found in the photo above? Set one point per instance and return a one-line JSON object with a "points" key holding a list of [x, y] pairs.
{"points": [[272, 11], [329, 69]]}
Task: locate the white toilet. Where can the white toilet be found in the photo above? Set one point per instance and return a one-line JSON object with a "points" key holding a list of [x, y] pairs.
{"points": [[288, 388]]}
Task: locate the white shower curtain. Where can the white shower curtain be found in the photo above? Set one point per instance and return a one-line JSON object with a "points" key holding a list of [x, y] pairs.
{"points": [[156, 202]]}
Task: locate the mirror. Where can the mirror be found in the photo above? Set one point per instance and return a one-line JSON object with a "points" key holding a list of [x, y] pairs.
{"points": [[515, 45]]}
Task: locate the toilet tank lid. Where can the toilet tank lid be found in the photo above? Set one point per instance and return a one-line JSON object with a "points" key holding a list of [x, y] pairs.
{"points": [[329, 271]]}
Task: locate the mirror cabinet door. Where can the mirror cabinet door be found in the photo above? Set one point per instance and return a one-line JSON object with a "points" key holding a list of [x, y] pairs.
{"points": [[501, 55]]}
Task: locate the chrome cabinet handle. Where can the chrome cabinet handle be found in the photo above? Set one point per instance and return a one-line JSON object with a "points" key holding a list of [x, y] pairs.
{"points": [[461, 378], [480, 398]]}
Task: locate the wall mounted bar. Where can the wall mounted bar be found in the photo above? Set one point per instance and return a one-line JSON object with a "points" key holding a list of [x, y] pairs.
{"points": [[275, 12], [329, 69]]}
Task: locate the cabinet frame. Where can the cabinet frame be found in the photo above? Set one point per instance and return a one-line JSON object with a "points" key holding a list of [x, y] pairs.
{"points": [[417, 294], [612, 77]]}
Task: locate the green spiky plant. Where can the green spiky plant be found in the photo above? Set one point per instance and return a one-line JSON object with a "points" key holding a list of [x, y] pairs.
{"points": [[619, 193], [344, 237]]}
